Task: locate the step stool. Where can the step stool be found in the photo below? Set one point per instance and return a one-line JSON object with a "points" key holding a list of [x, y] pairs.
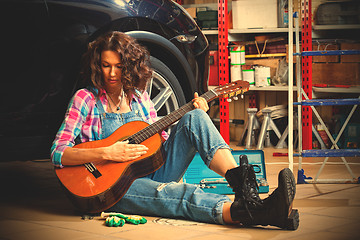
{"points": [[266, 126], [251, 125]]}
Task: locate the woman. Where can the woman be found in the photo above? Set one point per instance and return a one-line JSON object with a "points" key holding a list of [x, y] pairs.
{"points": [[115, 68]]}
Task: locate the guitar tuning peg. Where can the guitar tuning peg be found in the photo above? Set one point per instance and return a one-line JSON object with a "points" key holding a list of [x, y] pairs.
{"points": [[229, 100], [236, 98], [242, 96]]}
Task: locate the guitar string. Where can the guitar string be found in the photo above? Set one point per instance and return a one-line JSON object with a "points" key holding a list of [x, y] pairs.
{"points": [[152, 129], [155, 127], [164, 122], [146, 133]]}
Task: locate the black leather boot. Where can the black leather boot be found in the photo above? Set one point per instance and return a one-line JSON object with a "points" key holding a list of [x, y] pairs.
{"points": [[276, 209], [242, 180]]}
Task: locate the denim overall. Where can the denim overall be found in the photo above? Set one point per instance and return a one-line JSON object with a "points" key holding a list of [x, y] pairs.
{"points": [[159, 194]]}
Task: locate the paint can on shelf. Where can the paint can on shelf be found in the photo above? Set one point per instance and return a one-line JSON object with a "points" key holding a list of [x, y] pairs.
{"points": [[248, 75], [262, 76], [237, 55], [235, 71]]}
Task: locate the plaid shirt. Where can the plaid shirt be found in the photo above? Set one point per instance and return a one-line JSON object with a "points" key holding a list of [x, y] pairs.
{"points": [[82, 121]]}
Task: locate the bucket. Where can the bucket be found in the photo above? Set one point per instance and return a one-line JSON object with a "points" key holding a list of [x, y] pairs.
{"points": [[237, 55], [249, 76], [262, 76]]}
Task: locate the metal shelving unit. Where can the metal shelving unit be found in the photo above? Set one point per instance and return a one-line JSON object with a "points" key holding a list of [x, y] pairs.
{"points": [[223, 39], [306, 106], [304, 84], [224, 36]]}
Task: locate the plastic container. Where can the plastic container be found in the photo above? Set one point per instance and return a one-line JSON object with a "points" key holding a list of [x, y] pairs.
{"points": [[283, 14]]}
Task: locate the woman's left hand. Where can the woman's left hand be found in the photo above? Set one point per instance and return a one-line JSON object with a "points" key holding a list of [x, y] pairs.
{"points": [[200, 102]]}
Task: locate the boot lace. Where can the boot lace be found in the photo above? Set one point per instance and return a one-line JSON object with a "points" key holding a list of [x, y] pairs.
{"points": [[250, 187]]}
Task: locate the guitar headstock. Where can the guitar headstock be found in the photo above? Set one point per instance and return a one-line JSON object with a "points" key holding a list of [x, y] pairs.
{"points": [[232, 89]]}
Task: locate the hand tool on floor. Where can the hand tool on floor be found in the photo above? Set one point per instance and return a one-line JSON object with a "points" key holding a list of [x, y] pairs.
{"points": [[114, 219]]}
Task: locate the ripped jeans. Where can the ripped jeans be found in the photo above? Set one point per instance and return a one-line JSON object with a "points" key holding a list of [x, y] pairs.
{"points": [[160, 194]]}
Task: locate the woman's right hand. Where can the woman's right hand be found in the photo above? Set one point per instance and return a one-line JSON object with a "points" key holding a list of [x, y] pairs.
{"points": [[123, 151]]}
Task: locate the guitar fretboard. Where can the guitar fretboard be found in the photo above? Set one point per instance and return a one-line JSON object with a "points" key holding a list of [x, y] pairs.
{"points": [[167, 120]]}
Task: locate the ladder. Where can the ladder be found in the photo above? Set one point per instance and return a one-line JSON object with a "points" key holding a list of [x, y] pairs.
{"points": [[306, 106]]}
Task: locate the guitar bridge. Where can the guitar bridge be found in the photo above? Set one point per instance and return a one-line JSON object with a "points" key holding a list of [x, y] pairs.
{"points": [[93, 170]]}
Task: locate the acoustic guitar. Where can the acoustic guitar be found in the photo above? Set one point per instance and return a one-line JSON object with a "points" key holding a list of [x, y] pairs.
{"points": [[95, 187]]}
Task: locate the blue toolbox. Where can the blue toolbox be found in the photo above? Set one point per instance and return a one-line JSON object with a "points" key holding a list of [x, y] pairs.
{"points": [[199, 174]]}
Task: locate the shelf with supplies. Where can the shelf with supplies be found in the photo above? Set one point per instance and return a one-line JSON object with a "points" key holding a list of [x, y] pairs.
{"points": [[258, 30], [267, 88], [271, 88], [269, 55], [210, 32], [336, 27], [247, 30], [352, 89], [281, 30]]}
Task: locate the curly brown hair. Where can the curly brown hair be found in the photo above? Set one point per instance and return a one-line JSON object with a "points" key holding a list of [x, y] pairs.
{"points": [[134, 58]]}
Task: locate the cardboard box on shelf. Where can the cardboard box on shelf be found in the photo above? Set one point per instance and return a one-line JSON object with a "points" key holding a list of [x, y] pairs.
{"points": [[350, 58], [191, 11], [266, 47], [323, 47], [273, 63], [254, 14], [336, 73]]}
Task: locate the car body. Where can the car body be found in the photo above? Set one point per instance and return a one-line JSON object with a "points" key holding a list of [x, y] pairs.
{"points": [[42, 43]]}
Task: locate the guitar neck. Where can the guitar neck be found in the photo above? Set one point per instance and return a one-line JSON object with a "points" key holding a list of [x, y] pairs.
{"points": [[167, 120]]}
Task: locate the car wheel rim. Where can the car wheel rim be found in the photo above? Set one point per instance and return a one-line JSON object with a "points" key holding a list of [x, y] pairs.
{"points": [[162, 95]]}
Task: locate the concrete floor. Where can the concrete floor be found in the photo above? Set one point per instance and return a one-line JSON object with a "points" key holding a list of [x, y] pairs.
{"points": [[33, 206]]}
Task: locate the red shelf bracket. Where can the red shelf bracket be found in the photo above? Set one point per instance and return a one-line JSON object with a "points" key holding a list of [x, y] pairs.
{"points": [[306, 45], [223, 67]]}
